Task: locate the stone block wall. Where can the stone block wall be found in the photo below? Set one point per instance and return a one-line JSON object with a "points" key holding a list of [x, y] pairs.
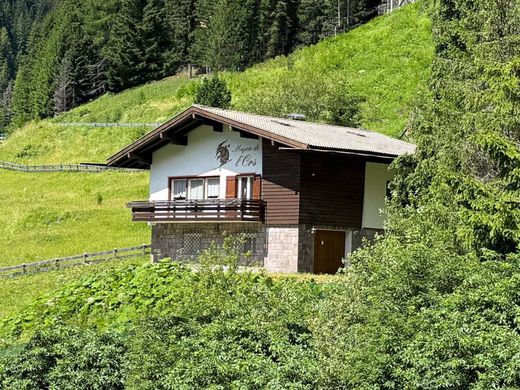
{"points": [[279, 248], [185, 241], [282, 248]]}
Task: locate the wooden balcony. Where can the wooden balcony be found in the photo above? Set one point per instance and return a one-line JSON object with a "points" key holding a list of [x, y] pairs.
{"points": [[229, 210]]}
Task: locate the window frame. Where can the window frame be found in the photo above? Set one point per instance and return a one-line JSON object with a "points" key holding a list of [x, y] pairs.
{"points": [[206, 185], [238, 178], [204, 179], [172, 189]]}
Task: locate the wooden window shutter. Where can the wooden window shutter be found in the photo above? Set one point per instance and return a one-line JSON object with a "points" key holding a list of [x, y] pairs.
{"points": [[231, 187], [257, 187]]}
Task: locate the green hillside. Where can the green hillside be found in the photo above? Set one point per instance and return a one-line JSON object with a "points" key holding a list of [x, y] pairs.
{"points": [[386, 61], [50, 215]]}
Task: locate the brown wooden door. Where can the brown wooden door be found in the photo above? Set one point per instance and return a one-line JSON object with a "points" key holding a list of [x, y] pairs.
{"points": [[329, 250]]}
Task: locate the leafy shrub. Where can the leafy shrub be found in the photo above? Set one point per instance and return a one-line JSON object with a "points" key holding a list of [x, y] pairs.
{"points": [[213, 92], [244, 333], [31, 150], [318, 97], [217, 326], [416, 311], [67, 358]]}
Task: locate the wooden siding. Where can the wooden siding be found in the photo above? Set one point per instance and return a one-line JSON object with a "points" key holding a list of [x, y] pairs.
{"points": [[332, 190], [281, 184]]}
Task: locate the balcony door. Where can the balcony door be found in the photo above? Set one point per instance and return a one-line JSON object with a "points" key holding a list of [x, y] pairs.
{"points": [[245, 187]]}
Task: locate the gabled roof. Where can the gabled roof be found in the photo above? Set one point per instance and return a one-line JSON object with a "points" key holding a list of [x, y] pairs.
{"points": [[292, 134]]}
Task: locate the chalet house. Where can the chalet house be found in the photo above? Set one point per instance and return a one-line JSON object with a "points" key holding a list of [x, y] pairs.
{"points": [[302, 194]]}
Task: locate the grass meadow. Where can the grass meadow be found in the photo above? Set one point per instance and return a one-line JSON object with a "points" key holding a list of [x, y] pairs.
{"points": [[47, 215]]}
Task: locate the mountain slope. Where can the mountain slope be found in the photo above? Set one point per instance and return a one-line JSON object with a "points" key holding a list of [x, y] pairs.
{"points": [[386, 61]]}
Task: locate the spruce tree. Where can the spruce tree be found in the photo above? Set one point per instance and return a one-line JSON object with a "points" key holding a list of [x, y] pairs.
{"points": [[181, 18], [213, 92], [468, 129], [123, 50], [155, 39], [284, 28]]}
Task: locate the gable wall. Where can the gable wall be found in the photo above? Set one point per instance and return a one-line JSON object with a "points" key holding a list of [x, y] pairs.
{"points": [[198, 158]]}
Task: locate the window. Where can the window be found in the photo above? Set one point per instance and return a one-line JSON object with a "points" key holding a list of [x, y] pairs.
{"points": [[213, 188], [245, 187], [179, 189], [196, 189], [192, 245]]}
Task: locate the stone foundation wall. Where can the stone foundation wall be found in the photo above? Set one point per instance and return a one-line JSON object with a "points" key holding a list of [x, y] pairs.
{"points": [[185, 241], [279, 248], [282, 248]]}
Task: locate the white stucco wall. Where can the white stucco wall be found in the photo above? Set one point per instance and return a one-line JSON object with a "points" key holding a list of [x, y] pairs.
{"points": [[376, 177], [198, 158]]}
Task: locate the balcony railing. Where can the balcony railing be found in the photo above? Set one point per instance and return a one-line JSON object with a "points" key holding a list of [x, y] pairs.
{"points": [[229, 210]]}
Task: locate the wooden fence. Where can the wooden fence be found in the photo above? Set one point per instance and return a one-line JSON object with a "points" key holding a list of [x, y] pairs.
{"points": [[85, 167], [107, 124], [71, 261]]}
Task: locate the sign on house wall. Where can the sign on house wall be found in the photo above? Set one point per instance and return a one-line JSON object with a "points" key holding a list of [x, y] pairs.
{"points": [[208, 153], [237, 155]]}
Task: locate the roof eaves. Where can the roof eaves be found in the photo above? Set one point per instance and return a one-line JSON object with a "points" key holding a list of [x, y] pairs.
{"points": [[149, 136]]}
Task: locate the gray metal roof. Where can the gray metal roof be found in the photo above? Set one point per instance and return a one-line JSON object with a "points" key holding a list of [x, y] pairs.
{"points": [[291, 134], [318, 135]]}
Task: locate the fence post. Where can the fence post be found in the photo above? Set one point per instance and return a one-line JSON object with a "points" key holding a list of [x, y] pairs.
{"points": [[24, 268], [144, 249], [115, 253], [57, 263], [85, 256]]}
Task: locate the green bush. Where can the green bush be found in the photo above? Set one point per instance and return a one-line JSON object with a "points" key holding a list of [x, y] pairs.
{"points": [[66, 358], [248, 337], [417, 311], [217, 326], [213, 92], [318, 96]]}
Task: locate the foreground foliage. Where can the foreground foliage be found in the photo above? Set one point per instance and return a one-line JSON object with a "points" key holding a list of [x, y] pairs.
{"points": [[173, 327], [418, 314]]}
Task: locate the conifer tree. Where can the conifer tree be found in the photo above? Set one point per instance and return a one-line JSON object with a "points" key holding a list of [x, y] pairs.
{"points": [[468, 132], [213, 92], [155, 38], [283, 29], [181, 18], [21, 111], [123, 50]]}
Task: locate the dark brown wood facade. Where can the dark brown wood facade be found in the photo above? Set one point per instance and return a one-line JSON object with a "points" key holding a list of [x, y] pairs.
{"points": [[332, 190], [312, 188], [281, 184]]}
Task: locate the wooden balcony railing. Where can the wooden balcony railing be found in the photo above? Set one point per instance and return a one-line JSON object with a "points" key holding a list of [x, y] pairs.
{"points": [[199, 211]]}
